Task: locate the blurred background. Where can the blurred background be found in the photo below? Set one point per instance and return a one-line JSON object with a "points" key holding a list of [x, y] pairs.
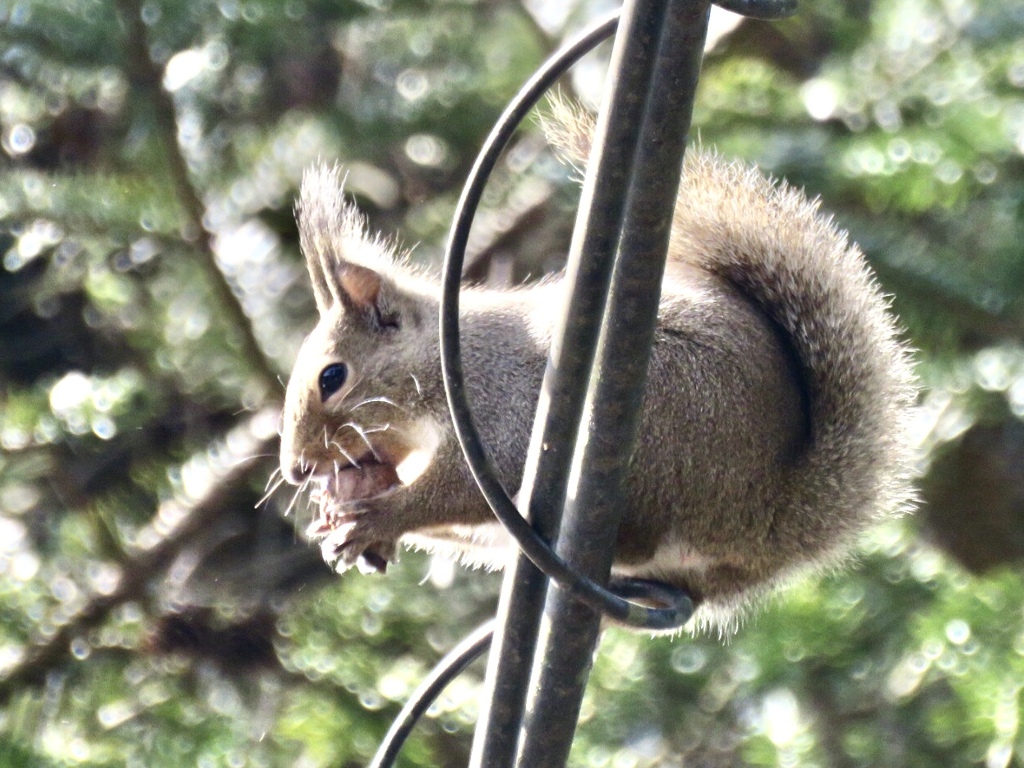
{"points": [[157, 609]]}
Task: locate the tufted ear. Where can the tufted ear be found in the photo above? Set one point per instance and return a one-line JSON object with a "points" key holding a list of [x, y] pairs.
{"points": [[359, 288], [322, 214], [322, 294], [338, 250]]}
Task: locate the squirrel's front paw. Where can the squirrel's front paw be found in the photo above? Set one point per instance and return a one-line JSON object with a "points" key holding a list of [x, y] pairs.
{"points": [[351, 537]]}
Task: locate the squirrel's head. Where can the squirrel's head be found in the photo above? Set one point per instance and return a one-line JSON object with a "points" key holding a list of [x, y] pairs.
{"points": [[353, 407]]}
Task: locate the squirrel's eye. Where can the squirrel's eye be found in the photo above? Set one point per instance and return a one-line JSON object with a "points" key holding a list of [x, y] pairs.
{"points": [[332, 378]]}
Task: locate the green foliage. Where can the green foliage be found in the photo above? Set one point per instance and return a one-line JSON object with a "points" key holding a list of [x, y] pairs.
{"points": [[154, 611]]}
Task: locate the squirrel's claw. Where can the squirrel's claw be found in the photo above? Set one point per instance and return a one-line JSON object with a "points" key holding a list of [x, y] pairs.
{"points": [[372, 562], [349, 539]]}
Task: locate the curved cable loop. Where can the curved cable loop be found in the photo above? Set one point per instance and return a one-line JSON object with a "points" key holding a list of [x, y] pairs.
{"points": [[678, 605], [451, 666]]}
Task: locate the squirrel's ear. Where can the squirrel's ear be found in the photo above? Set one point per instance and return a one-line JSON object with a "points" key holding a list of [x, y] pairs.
{"points": [[330, 232], [322, 294], [366, 293], [340, 255]]}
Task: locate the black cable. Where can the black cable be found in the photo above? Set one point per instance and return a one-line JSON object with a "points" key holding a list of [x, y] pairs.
{"points": [[446, 670], [679, 607]]}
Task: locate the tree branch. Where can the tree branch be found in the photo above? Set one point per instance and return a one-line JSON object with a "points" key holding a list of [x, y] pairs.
{"points": [[143, 71], [178, 522]]}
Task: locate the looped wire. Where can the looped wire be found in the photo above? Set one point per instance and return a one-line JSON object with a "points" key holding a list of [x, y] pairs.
{"points": [[678, 607], [446, 670]]}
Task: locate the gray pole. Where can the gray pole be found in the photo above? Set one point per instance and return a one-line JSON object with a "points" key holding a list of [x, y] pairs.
{"points": [[670, 42]]}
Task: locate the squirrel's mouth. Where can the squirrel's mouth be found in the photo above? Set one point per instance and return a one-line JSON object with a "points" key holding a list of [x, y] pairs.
{"points": [[369, 477], [380, 470]]}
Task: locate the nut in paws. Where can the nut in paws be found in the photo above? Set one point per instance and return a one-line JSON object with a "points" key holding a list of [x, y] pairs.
{"points": [[351, 539]]}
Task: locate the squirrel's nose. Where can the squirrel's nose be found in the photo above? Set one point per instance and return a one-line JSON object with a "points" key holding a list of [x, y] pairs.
{"points": [[296, 472]]}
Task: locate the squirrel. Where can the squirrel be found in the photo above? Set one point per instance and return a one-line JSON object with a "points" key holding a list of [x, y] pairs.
{"points": [[774, 428]]}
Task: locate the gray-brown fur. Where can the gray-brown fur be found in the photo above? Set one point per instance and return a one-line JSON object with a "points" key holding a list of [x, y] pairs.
{"points": [[775, 424]]}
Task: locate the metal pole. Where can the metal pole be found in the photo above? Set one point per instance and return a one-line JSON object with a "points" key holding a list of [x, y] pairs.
{"points": [[623, 224], [594, 501]]}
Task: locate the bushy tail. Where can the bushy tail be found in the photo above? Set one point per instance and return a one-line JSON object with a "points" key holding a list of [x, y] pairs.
{"points": [[785, 256], [781, 252]]}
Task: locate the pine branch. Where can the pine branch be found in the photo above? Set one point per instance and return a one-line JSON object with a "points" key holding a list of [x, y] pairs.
{"points": [[69, 201], [143, 72], [147, 564]]}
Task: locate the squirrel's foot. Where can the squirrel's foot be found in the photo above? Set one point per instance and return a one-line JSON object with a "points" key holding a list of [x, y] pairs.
{"points": [[352, 536]]}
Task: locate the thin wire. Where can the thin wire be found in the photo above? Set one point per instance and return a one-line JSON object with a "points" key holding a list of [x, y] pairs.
{"points": [[678, 606], [450, 667]]}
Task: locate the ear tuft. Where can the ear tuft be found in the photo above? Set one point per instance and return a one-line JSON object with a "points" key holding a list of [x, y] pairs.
{"points": [[322, 215], [345, 265], [368, 294]]}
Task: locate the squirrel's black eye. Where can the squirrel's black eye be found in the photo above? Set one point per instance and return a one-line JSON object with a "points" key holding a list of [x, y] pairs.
{"points": [[332, 378]]}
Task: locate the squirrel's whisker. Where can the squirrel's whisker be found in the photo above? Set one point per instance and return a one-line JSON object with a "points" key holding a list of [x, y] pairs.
{"points": [[276, 473], [362, 434], [378, 399], [270, 492], [346, 454], [295, 498]]}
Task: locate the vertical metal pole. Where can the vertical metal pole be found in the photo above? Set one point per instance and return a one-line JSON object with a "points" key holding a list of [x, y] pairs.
{"points": [[594, 499], [624, 220], [559, 409]]}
